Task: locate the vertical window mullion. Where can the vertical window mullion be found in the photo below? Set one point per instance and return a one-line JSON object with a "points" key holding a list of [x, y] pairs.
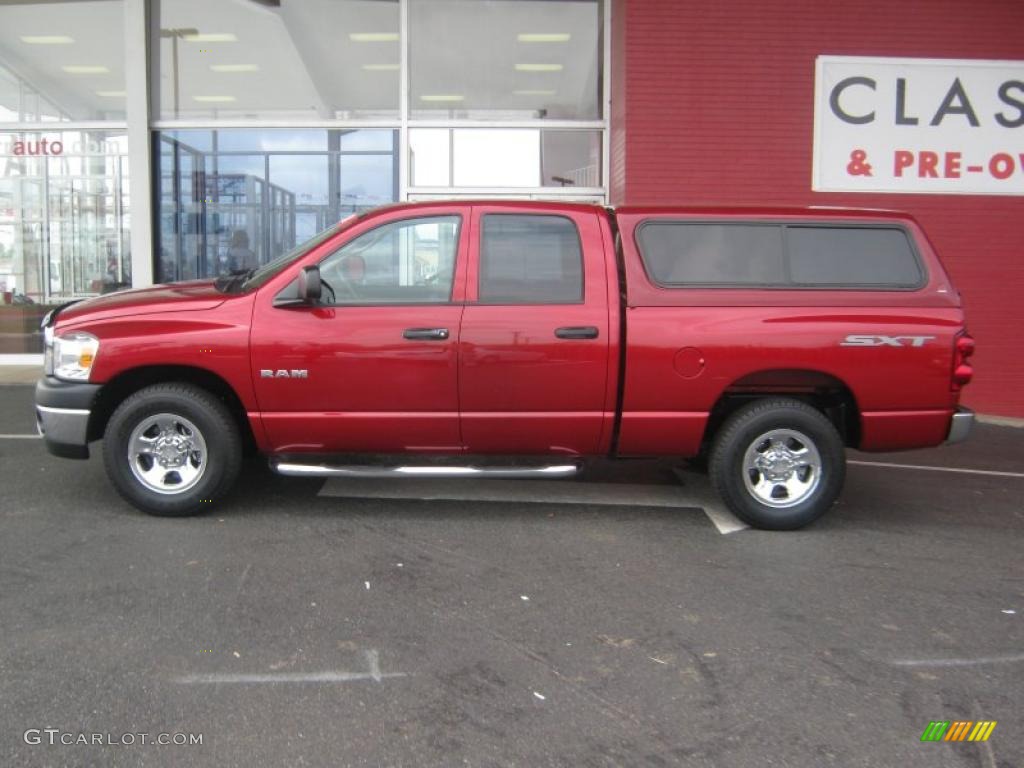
{"points": [[787, 272], [403, 96]]}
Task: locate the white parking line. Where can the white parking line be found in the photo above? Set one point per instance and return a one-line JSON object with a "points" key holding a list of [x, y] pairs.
{"points": [[700, 486], [20, 437], [723, 519], [697, 493], [1011, 659], [962, 471], [288, 677], [373, 673]]}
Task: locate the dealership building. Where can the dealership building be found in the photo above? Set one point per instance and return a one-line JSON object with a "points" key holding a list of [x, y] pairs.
{"points": [[145, 141]]}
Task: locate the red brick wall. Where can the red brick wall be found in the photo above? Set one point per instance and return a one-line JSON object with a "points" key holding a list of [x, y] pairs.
{"points": [[713, 102]]}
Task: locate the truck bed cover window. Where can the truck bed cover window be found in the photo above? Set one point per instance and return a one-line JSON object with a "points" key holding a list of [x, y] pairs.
{"points": [[851, 256], [679, 254]]}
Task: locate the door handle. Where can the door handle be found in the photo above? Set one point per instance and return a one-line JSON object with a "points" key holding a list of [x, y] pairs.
{"points": [[425, 334], [577, 332]]}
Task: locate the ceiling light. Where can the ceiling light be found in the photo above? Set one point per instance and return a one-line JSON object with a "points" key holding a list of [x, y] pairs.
{"points": [[380, 67], [235, 67], [85, 69], [442, 97], [211, 37], [543, 37], [111, 94], [539, 67], [47, 39], [214, 99], [533, 92], [373, 37]]}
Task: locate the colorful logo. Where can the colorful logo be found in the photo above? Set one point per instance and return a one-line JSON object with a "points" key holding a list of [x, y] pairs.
{"points": [[958, 730]]}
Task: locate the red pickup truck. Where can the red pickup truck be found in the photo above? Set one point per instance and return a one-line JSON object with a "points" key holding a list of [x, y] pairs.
{"points": [[516, 339]]}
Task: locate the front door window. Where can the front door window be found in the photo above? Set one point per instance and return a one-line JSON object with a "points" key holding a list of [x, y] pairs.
{"points": [[405, 262]]}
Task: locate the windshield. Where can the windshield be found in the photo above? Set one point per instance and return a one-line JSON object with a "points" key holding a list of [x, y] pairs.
{"points": [[256, 277]]}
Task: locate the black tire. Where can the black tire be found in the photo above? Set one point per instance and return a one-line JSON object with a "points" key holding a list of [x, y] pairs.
{"points": [[759, 497], [215, 469]]}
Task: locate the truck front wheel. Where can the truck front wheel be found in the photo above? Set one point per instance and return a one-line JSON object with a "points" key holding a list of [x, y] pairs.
{"points": [[778, 464], [172, 449]]}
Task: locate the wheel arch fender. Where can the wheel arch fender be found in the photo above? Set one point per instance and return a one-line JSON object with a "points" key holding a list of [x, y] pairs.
{"points": [[132, 380], [822, 390]]}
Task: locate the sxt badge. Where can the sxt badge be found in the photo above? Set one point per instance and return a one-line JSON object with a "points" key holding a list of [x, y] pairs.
{"points": [[856, 340]]}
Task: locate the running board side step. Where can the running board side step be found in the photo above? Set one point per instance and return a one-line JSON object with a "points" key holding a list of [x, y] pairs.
{"points": [[294, 469]]}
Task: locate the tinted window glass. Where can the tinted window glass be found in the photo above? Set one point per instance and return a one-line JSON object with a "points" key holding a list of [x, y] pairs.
{"points": [[500, 59], [322, 59], [404, 262], [682, 253], [530, 260], [851, 256]]}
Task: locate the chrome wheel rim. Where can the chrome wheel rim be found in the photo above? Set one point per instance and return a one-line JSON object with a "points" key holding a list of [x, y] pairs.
{"points": [[782, 468], [167, 453]]}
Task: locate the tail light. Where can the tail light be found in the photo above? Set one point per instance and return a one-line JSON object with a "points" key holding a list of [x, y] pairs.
{"points": [[962, 370]]}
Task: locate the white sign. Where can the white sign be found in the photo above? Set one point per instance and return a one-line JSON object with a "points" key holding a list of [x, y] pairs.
{"points": [[944, 126]]}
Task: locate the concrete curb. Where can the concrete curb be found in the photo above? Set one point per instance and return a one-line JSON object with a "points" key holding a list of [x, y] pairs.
{"points": [[19, 374], [1002, 421]]}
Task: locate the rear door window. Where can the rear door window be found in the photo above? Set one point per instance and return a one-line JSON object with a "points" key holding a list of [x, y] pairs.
{"points": [[530, 259]]}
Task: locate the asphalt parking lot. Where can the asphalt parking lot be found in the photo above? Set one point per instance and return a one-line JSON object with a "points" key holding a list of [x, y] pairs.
{"points": [[584, 627]]}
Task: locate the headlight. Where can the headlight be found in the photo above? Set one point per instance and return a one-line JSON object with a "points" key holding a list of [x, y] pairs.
{"points": [[73, 355]]}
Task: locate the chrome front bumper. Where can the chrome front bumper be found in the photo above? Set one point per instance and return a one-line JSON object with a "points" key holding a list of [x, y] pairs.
{"points": [[62, 416], [960, 425], [65, 426]]}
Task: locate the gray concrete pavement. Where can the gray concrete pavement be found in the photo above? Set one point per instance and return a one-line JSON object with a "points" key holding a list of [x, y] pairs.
{"points": [[290, 627]]}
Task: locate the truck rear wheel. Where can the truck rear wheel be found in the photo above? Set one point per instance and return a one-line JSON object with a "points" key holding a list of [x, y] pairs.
{"points": [[778, 464], [172, 450]]}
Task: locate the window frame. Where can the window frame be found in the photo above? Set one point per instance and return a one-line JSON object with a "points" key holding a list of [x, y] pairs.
{"points": [[479, 262], [785, 225], [419, 217]]}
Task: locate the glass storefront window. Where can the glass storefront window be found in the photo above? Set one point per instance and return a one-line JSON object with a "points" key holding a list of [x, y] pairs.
{"points": [[430, 159], [512, 158], [63, 224], [62, 61], [366, 179], [505, 59], [312, 60], [512, 63], [236, 199], [504, 157]]}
